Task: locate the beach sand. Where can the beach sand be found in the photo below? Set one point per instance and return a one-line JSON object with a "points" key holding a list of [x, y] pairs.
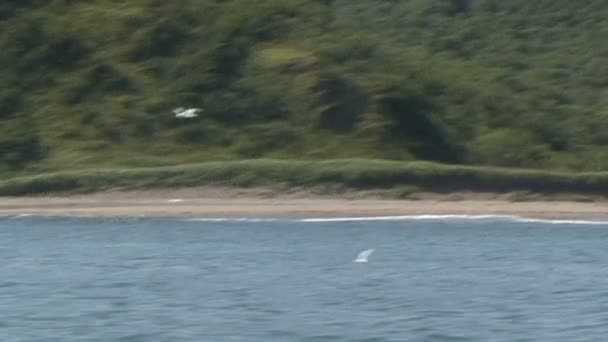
{"points": [[256, 203]]}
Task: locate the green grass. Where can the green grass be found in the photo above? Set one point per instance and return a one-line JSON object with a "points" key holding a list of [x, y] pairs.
{"points": [[358, 174], [284, 57]]}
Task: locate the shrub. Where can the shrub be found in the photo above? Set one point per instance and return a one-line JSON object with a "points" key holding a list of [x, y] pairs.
{"points": [[20, 145], [506, 147]]}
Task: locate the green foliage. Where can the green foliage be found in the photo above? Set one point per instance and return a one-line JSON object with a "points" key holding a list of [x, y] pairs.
{"points": [[10, 100], [9, 8], [404, 178], [160, 39], [342, 103], [509, 148], [19, 146], [285, 58], [509, 83]]}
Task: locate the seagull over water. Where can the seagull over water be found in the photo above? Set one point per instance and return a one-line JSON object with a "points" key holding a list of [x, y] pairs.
{"points": [[363, 256]]}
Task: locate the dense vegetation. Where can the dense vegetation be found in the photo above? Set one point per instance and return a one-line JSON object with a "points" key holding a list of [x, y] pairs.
{"points": [[387, 178], [92, 83]]}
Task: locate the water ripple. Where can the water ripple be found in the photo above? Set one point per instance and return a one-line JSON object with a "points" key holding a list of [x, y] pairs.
{"points": [[432, 279]]}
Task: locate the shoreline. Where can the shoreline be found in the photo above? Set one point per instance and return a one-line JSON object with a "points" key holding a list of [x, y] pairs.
{"points": [[218, 203]]}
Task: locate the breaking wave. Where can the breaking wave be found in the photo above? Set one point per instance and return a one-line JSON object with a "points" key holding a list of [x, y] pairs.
{"points": [[504, 218]]}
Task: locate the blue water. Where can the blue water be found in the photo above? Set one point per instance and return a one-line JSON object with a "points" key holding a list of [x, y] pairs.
{"points": [[433, 280]]}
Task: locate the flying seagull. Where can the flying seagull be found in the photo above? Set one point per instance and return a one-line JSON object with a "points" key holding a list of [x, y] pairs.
{"points": [[183, 113], [363, 256]]}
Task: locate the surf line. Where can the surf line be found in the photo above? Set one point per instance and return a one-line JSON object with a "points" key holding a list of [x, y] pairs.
{"points": [[405, 218]]}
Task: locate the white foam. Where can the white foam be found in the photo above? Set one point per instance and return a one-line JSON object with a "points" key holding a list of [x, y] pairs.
{"points": [[408, 218], [230, 219], [175, 200], [571, 222], [14, 217], [507, 218], [405, 218]]}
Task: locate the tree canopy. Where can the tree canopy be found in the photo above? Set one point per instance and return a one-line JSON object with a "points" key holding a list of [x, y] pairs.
{"points": [[510, 83]]}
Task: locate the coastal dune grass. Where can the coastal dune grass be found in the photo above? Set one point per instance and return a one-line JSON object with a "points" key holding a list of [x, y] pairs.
{"points": [[357, 174]]}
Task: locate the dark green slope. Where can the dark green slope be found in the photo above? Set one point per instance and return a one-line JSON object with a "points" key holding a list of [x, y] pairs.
{"points": [[509, 83]]}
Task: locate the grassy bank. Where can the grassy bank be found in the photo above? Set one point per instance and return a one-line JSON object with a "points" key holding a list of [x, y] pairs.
{"points": [[357, 174]]}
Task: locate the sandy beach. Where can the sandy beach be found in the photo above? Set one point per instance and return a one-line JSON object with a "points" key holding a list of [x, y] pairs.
{"points": [[228, 203]]}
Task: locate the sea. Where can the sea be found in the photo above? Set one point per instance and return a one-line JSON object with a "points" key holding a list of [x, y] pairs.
{"points": [[429, 278]]}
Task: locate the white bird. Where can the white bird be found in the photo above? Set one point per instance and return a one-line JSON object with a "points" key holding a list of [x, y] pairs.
{"points": [[182, 113], [363, 256]]}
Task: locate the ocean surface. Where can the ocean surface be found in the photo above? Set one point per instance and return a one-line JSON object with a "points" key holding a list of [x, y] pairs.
{"points": [[429, 279]]}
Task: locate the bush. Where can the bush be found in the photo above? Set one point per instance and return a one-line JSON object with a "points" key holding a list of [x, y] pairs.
{"points": [[160, 39], [19, 145], [10, 101], [507, 147], [342, 103]]}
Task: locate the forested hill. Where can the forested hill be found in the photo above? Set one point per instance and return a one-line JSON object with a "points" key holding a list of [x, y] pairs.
{"points": [[89, 83]]}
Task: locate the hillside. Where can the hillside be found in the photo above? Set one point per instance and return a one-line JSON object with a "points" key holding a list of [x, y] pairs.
{"points": [[502, 83]]}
